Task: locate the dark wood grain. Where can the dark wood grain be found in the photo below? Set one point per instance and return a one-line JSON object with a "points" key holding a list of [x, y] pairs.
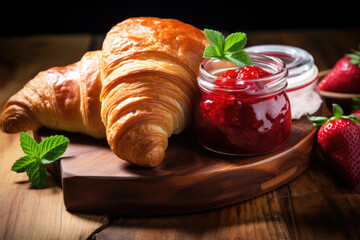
{"points": [[315, 205], [27, 212], [190, 178]]}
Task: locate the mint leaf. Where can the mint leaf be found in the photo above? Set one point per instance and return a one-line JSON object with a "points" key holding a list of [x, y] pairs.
{"points": [[23, 163], [28, 144], [216, 38], [234, 42], [37, 174], [240, 58], [229, 49], [212, 52], [51, 148]]}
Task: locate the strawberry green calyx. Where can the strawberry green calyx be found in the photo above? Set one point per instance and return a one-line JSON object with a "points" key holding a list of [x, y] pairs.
{"points": [[354, 57], [356, 104], [338, 113]]}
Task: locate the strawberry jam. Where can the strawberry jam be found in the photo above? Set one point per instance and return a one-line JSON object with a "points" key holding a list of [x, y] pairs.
{"points": [[243, 111]]}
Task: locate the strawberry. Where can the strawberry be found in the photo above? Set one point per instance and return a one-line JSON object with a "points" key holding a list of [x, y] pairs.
{"points": [[357, 113], [344, 76], [338, 139], [356, 107]]}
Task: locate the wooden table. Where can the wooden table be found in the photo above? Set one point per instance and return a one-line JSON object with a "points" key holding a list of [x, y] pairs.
{"points": [[313, 206]]}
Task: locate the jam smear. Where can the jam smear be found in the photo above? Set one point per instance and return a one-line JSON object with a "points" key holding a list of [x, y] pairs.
{"points": [[242, 122]]}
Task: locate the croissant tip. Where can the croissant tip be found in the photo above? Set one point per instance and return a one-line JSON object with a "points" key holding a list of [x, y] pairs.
{"points": [[153, 158], [5, 125], [14, 121]]}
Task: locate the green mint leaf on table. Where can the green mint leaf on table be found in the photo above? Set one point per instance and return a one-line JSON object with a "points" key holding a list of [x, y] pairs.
{"points": [[227, 49], [51, 148], [28, 144], [22, 163], [37, 174], [37, 155]]}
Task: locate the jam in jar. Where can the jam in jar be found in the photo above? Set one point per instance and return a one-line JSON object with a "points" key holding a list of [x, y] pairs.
{"points": [[243, 111], [302, 77]]}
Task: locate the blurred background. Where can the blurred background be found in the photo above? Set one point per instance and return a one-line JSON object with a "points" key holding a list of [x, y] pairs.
{"points": [[29, 17]]}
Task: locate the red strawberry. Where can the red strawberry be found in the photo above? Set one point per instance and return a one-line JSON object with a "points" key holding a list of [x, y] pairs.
{"points": [[357, 113], [344, 76], [356, 107], [339, 141]]}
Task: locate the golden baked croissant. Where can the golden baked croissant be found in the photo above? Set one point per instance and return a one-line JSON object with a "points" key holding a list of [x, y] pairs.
{"points": [[148, 70], [145, 77], [61, 98]]}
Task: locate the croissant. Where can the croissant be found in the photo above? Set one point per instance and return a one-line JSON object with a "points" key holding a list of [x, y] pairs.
{"points": [[148, 70], [137, 91], [62, 98]]}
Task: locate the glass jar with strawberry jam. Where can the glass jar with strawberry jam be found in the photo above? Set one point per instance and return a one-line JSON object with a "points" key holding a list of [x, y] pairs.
{"points": [[302, 79], [243, 111]]}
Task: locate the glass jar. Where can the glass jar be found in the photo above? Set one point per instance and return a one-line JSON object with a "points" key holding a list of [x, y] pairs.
{"points": [[251, 117], [303, 74]]}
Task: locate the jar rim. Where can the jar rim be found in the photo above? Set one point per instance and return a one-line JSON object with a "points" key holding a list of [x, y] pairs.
{"points": [[275, 65], [297, 60]]}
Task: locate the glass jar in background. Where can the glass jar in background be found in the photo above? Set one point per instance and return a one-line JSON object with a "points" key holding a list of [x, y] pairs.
{"points": [[250, 117], [303, 75]]}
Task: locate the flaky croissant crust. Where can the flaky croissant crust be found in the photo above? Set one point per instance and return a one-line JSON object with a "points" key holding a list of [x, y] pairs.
{"points": [[62, 98], [137, 91], [148, 70], [170, 38]]}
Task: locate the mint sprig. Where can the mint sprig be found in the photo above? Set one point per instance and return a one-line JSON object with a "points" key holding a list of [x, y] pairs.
{"points": [[37, 155], [227, 49]]}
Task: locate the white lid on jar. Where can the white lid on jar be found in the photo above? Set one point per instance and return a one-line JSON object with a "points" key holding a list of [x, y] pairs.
{"points": [[300, 63]]}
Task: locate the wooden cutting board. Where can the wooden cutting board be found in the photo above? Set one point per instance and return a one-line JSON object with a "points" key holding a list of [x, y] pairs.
{"points": [[190, 179]]}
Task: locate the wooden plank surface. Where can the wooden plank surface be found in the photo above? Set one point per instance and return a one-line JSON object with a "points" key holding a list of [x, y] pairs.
{"points": [[188, 180], [313, 206], [26, 212]]}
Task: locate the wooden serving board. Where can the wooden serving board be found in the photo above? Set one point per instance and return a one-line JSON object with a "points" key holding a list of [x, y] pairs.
{"points": [[190, 179]]}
